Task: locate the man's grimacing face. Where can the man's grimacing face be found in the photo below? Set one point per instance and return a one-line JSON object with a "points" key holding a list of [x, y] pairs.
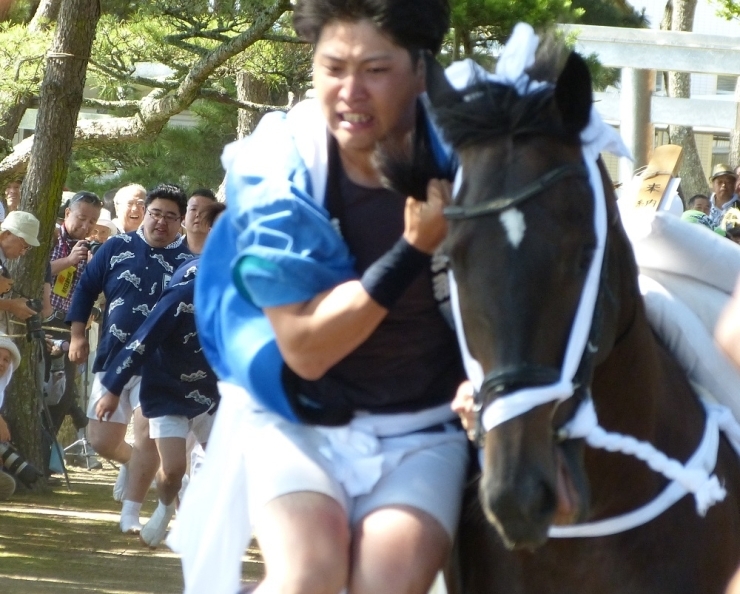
{"points": [[366, 84]]}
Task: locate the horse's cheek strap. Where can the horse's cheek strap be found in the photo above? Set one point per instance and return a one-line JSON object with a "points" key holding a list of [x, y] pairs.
{"points": [[391, 274]]}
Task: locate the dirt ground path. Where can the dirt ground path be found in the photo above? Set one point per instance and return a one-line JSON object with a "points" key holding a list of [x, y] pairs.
{"points": [[69, 542]]}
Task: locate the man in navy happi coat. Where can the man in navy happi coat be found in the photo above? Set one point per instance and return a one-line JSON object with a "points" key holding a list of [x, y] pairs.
{"points": [[131, 270]]}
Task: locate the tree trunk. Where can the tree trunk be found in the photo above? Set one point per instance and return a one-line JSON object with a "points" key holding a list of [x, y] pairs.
{"points": [[249, 88], [46, 13], [61, 98], [693, 178], [11, 120]]}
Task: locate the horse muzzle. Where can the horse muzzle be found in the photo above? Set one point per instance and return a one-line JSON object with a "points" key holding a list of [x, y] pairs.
{"points": [[524, 500]]}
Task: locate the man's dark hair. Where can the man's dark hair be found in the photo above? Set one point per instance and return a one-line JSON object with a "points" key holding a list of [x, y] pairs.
{"points": [[168, 192], [205, 192], [87, 198], [412, 24], [694, 198]]}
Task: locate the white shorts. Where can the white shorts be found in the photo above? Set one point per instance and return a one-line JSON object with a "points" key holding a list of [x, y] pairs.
{"points": [[180, 426], [128, 401], [284, 457]]}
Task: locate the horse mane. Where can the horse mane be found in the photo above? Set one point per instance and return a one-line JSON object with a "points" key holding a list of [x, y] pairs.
{"points": [[408, 168], [484, 111], [489, 110]]}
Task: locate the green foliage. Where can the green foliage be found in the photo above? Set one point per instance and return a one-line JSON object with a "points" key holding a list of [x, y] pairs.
{"points": [[609, 13], [282, 66], [498, 17], [120, 9], [728, 9], [20, 11], [479, 25], [189, 157], [180, 33], [21, 58]]}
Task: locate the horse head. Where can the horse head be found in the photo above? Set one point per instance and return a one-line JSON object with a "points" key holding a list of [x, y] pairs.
{"points": [[521, 243]]}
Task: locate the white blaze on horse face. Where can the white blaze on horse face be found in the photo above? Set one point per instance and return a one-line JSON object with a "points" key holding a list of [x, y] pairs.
{"points": [[513, 222]]}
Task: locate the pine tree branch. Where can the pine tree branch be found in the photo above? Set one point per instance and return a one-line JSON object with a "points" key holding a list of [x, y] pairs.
{"points": [[166, 100], [221, 97], [103, 104]]}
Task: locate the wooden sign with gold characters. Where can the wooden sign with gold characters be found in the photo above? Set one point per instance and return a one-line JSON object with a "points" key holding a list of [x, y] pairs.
{"points": [[655, 187]]}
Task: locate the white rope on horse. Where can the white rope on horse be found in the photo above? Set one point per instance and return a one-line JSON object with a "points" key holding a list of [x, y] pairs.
{"points": [[705, 487], [693, 477]]}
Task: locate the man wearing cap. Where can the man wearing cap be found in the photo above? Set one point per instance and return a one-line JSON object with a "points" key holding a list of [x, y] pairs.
{"points": [[723, 197], [69, 257], [18, 233], [104, 228]]}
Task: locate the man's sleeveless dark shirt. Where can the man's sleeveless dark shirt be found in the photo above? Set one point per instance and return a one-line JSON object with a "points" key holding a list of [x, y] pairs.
{"points": [[412, 360]]}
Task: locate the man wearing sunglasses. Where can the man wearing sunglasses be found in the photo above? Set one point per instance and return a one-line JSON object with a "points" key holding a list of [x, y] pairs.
{"points": [[68, 260], [131, 270]]}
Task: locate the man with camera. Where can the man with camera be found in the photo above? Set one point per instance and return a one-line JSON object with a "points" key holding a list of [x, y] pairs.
{"points": [[69, 257], [18, 233]]}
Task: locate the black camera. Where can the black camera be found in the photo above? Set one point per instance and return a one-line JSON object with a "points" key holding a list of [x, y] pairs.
{"points": [[93, 246], [17, 465], [33, 324]]}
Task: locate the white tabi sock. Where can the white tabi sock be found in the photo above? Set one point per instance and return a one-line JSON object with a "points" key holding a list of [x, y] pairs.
{"points": [[130, 517]]}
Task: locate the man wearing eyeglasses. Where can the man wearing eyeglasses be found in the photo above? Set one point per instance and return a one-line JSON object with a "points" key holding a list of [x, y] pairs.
{"points": [[131, 270], [68, 259]]}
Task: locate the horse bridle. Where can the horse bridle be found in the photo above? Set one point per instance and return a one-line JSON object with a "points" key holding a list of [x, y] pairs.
{"points": [[502, 381], [502, 203]]}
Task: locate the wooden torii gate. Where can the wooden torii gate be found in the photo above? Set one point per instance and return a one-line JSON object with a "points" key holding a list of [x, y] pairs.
{"points": [[639, 53]]}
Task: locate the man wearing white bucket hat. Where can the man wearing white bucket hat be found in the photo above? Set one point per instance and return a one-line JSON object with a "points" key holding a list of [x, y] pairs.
{"points": [[18, 233], [104, 228]]}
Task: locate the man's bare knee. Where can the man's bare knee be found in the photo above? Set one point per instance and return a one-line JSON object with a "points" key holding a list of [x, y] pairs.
{"points": [[106, 438], [305, 540], [173, 471]]}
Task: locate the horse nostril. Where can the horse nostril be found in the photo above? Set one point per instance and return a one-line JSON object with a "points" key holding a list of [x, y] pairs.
{"points": [[523, 512], [543, 502]]}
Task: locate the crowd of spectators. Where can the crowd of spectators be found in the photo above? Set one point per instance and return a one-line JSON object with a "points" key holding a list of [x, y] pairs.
{"points": [[118, 266], [720, 211]]}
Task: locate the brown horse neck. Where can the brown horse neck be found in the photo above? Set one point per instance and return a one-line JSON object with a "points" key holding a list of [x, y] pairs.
{"points": [[640, 391]]}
